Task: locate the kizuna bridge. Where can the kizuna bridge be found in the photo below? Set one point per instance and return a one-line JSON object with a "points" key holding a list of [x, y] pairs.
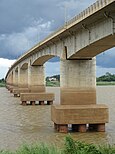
{"points": [[76, 43]]}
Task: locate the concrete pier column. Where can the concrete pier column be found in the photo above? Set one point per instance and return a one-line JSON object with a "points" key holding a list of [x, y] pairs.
{"points": [[22, 77], [78, 98], [82, 128], [101, 127], [62, 128], [36, 80], [9, 82], [10, 79], [15, 77], [78, 82]]}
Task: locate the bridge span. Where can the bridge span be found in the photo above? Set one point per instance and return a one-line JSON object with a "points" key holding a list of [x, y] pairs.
{"points": [[76, 43]]}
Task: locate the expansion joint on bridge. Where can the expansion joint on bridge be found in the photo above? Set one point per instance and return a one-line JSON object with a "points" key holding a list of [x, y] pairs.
{"points": [[86, 28], [87, 58], [108, 16]]}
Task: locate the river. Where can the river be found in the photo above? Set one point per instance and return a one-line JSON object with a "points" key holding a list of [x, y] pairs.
{"points": [[32, 124]]}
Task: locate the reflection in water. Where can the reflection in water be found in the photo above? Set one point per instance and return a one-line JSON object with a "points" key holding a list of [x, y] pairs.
{"points": [[20, 124]]}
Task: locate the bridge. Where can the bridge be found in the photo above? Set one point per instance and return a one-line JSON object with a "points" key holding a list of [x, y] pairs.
{"points": [[76, 43]]}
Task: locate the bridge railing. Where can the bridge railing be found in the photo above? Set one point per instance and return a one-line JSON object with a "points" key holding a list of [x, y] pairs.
{"points": [[87, 12], [90, 10], [84, 14]]}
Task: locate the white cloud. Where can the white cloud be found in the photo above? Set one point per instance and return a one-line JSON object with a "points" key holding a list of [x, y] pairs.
{"points": [[74, 7], [6, 62], [18, 43], [52, 68], [4, 66], [102, 71]]}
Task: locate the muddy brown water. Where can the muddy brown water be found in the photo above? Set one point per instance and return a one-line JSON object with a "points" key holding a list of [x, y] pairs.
{"points": [[32, 124]]}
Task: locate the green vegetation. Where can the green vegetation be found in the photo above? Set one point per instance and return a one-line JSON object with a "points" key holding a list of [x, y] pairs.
{"points": [[107, 79], [104, 80], [100, 83], [70, 147], [2, 83], [53, 81]]}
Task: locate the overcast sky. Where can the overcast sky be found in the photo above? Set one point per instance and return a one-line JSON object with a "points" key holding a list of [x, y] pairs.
{"points": [[23, 23]]}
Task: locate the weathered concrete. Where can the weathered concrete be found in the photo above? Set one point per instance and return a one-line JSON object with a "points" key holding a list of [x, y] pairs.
{"points": [[15, 78], [79, 116], [36, 82], [41, 97], [17, 91], [78, 82], [22, 77]]}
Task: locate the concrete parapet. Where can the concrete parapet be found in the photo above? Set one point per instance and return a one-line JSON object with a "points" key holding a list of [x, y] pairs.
{"points": [[80, 115], [41, 97]]}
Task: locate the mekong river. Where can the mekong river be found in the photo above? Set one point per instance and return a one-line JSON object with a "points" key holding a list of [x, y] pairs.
{"points": [[32, 124]]}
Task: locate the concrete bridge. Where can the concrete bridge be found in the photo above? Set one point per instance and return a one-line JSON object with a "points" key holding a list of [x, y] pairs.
{"points": [[76, 43]]}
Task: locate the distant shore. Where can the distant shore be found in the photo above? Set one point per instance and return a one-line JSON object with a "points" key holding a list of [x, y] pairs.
{"points": [[2, 84], [102, 83], [57, 84]]}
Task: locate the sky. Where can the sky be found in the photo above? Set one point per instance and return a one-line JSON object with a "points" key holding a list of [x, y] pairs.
{"points": [[23, 23]]}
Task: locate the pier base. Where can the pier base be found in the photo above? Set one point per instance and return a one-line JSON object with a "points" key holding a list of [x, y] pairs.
{"points": [[79, 116], [101, 127]]}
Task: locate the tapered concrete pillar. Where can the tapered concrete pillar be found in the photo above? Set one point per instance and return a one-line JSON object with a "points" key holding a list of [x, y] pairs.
{"points": [[78, 82], [36, 80], [15, 78], [78, 97], [22, 77], [10, 79], [9, 82]]}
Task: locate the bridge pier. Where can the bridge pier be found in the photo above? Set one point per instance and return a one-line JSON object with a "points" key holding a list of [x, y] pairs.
{"points": [[22, 77], [78, 97], [78, 82], [15, 77], [9, 82], [36, 82]]}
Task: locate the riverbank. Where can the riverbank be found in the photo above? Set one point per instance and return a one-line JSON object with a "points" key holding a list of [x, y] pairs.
{"points": [[70, 147], [57, 84], [102, 83], [2, 84]]}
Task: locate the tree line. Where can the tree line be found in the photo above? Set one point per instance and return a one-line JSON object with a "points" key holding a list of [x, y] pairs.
{"points": [[2, 81], [108, 77]]}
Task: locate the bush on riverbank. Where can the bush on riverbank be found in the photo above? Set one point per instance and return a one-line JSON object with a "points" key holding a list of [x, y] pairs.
{"points": [[71, 147], [2, 83]]}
